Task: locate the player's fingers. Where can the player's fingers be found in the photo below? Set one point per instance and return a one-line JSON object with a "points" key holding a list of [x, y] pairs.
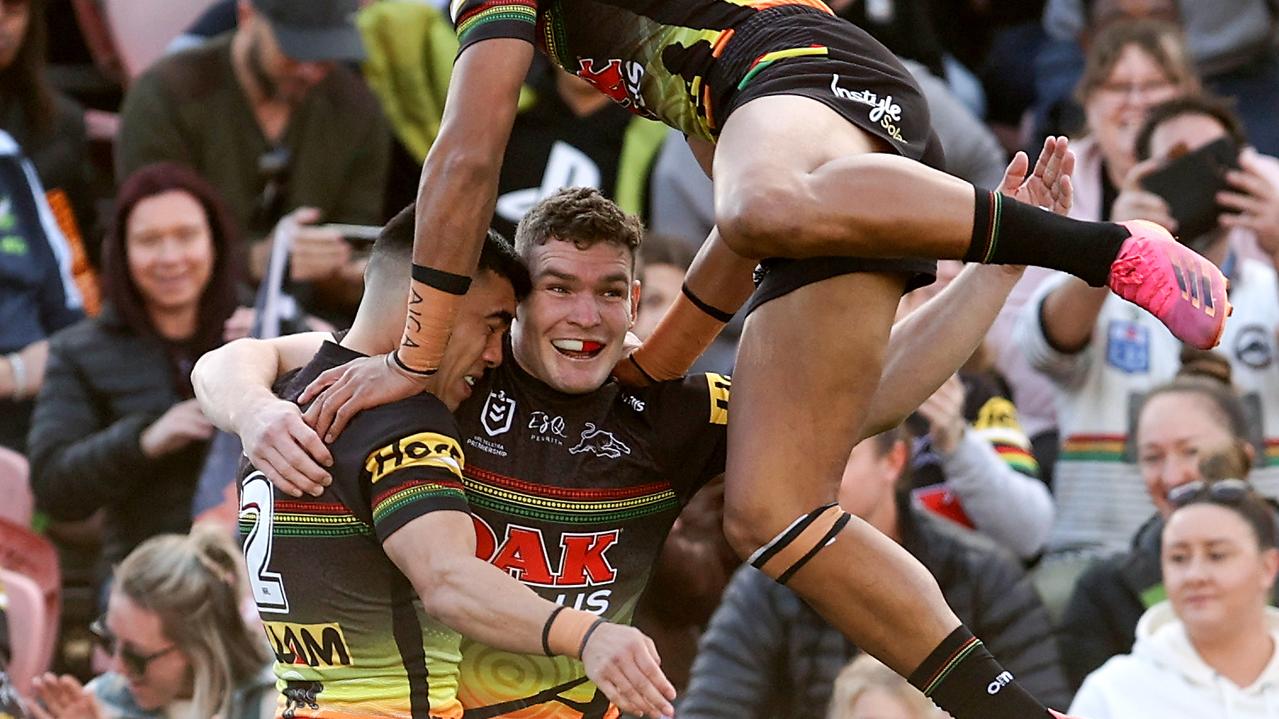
{"points": [[311, 443], [300, 466], [279, 474], [320, 383], [646, 686], [650, 665], [623, 694], [1015, 173], [343, 412]]}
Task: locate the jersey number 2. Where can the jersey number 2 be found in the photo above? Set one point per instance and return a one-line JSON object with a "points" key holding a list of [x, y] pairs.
{"points": [[256, 505]]}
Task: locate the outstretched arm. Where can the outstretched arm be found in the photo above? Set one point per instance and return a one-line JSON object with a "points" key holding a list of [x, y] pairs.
{"points": [[437, 553]]}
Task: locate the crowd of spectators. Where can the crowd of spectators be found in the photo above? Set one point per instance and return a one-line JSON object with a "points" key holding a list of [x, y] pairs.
{"points": [[1095, 501]]}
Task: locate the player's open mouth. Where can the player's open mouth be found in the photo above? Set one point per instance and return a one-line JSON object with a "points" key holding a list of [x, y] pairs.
{"points": [[469, 380], [578, 349]]}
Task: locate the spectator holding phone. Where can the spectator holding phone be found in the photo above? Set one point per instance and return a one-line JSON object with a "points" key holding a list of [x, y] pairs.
{"points": [[1102, 358]]}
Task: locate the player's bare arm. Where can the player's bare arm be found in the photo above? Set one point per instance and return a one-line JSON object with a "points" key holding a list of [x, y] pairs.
{"points": [[455, 203], [437, 553], [233, 385]]}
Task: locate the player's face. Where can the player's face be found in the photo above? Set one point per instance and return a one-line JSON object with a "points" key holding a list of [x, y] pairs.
{"points": [[571, 329], [1175, 430], [1215, 573], [170, 251], [139, 632], [660, 286], [476, 343]]}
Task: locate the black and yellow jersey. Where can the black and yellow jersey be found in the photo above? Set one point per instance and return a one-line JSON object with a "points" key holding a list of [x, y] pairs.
{"points": [[349, 634], [574, 496]]}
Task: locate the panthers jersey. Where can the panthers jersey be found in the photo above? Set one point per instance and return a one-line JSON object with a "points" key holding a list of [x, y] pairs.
{"points": [[349, 633], [574, 495], [654, 57]]}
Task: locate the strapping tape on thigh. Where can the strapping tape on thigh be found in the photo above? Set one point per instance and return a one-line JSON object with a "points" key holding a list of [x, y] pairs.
{"points": [[790, 550]]}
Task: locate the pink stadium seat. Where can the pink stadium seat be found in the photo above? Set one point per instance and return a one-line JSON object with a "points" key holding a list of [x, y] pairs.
{"points": [[30, 629], [16, 501], [34, 557], [142, 29]]}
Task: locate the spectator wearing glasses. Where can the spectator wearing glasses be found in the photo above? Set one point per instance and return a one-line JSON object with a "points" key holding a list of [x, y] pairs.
{"points": [[1178, 425], [1209, 650], [271, 115], [178, 644]]}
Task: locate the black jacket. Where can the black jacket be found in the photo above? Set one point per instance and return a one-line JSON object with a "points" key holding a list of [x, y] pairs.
{"points": [[104, 385], [767, 654]]}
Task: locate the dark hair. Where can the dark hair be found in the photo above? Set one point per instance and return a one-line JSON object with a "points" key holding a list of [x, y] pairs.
{"points": [[24, 79], [581, 215], [1149, 36], [1229, 462], [1254, 509], [1219, 109], [219, 299], [395, 244], [1207, 375], [666, 250]]}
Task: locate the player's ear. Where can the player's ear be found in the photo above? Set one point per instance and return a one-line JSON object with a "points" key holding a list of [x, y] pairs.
{"points": [[635, 301]]}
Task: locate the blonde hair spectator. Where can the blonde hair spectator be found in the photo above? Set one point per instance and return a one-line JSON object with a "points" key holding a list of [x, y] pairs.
{"points": [[866, 689]]}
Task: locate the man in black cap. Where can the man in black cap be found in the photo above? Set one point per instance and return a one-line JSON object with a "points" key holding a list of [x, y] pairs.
{"points": [[273, 117]]}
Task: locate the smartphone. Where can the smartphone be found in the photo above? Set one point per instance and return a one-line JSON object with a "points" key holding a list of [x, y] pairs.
{"points": [[358, 235], [1190, 183]]}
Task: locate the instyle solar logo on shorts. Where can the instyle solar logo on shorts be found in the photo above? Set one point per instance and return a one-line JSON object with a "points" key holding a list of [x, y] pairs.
{"points": [[424, 449], [498, 413], [882, 109]]}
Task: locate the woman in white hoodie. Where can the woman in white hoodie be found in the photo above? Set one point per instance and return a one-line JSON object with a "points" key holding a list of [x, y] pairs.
{"points": [[1208, 652]]}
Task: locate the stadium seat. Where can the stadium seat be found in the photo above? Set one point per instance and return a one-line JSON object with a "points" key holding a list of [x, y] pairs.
{"points": [[142, 29], [30, 629], [16, 501], [31, 555]]}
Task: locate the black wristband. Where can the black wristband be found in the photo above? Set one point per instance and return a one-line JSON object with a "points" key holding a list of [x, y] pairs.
{"points": [[714, 312], [441, 280], [395, 357], [581, 649], [546, 630], [647, 376]]}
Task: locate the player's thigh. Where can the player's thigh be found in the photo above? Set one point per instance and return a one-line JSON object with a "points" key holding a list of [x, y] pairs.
{"points": [[807, 367]]}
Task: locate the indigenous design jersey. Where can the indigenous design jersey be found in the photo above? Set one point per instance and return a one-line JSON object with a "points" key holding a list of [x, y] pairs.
{"points": [[574, 495], [653, 57], [349, 635]]}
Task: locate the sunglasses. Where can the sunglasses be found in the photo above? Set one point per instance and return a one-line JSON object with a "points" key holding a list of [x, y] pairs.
{"points": [[1224, 491], [135, 662]]}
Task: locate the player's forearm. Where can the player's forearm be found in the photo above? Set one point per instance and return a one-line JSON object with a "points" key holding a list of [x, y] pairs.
{"points": [[931, 343], [232, 381]]}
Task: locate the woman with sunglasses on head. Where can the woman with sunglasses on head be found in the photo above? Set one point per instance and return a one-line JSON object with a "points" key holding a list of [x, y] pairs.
{"points": [[179, 647], [1209, 650], [1177, 425]]}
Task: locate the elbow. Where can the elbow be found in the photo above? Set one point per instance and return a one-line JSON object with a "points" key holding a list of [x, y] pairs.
{"points": [[464, 167], [444, 597]]}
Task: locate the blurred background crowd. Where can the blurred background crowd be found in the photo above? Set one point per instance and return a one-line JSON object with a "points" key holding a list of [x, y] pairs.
{"points": [[1093, 498]]}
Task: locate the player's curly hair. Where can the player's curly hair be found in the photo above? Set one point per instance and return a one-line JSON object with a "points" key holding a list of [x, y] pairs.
{"points": [[581, 215]]}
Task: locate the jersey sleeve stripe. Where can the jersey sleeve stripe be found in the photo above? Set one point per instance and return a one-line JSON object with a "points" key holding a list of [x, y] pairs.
{"points": [[445, 493], [497, 19]]}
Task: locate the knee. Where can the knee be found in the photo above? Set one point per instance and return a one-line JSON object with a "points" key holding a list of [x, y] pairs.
{"points": [[763, 220], [749, 527]]}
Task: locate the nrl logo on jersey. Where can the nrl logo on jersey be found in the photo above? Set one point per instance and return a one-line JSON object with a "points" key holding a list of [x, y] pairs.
{"points": [[498, 413], [601, 443]]}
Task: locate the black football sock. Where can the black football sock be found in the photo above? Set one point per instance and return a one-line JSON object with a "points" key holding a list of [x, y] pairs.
{"points": [[962, 678], [1008, 232]]}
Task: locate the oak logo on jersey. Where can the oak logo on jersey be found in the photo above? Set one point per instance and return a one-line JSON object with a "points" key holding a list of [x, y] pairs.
{"points": [[498, 413], [720, 388], [621, 82], [600, 442], [424, 449], [315, 645], [523, 554]]}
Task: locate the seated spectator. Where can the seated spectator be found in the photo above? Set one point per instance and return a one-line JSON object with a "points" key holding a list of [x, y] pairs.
{"points": [[1209, 650], [178, 644], [47, 125], [663, 260], [37, 294], [116, 425], [866, 689], [1101, 356], [1176, 426], [270, 116], [768, 654]]}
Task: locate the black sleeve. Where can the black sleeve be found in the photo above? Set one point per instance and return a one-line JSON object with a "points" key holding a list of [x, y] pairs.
{"points": [[691, 415], [478, 20]]}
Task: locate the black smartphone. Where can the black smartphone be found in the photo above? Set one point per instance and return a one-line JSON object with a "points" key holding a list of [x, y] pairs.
{"points": [[1190, 183], [357, 235]]}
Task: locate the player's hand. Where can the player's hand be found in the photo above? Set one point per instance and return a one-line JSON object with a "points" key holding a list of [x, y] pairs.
{"points": [[341, 392], [1254, 202], [945, 414], [281, 445], [1049, 185], [62, 698], [180, 425], [624, 664], [1134, 202]]}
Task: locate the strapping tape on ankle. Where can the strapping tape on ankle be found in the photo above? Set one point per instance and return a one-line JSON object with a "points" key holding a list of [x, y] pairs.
{"points": [[796, 545]]}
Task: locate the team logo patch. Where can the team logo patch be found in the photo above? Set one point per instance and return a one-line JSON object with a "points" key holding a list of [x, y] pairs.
{"points": [[317, 646], [424, 449], [600, 443], [1128, 347], [882, 109], [720, 387], [1253, 347], [498, 413]]}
